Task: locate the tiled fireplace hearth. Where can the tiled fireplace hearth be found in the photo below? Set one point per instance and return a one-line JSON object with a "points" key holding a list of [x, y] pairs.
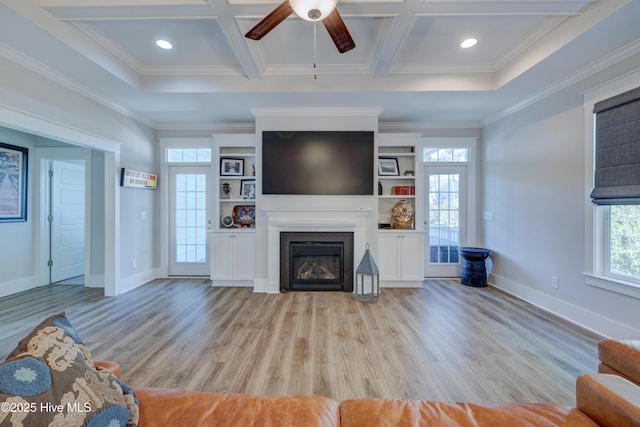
{"points": [[327, 226]]}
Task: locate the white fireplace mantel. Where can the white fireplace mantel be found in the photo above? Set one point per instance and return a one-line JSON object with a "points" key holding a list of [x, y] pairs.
{"points": [[314, 219], [318, 220]]}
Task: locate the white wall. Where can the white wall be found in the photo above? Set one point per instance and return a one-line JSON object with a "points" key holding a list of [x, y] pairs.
{"points": [[139, 219], [534, 186], [33, 104]]}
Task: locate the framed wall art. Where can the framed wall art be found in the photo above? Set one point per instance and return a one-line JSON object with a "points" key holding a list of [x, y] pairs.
{"points": [[13, 183], [138, 179], [244, 215], [248, 188], [231, 167], [388, 166]]}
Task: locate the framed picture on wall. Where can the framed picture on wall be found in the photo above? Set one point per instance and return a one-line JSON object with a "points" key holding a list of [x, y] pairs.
{"points": [[231, 167], [13, 183]]}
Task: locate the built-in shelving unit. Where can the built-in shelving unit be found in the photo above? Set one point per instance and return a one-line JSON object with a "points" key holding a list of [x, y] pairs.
{"points": [[232, 150], [397, 152], [233, 244], [401, 251]]}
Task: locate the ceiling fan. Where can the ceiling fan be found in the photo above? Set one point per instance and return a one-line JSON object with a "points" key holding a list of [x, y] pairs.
{"points": [[309, 10]]}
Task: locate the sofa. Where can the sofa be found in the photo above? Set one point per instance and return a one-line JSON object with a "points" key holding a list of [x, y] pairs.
{"points": [[51, 379], [620, 357], [602, 400]]}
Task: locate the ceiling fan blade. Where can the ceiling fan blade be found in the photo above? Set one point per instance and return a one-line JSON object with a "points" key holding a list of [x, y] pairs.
{"points": [[338, 32], [270, 21]]}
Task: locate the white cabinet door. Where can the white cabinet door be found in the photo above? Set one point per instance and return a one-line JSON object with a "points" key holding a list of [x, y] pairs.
{"points": [[233, 256], [222, 256], [389, 248], [401, 257], [245, 256], [411, 260]]}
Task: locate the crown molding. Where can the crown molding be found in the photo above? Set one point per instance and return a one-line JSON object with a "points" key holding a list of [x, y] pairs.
{"points": [[325, 112], [613, 58], [56, 77], [421, 127], [206, 128]]}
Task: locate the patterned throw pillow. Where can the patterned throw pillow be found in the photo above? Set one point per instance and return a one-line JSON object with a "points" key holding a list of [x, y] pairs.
{"points": [[50, 379]]}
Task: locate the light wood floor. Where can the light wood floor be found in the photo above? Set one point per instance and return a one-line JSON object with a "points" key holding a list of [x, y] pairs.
{"points": [[444, 341]]}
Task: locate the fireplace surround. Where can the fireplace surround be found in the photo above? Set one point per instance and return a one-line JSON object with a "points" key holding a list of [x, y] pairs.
{"points": [[355, 221], [316, 261]]}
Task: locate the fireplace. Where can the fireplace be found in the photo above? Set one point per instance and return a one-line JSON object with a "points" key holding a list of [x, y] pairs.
{"points": [[316, 261]]}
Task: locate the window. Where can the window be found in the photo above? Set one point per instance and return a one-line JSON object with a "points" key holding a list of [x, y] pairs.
{"points": [[444, 217], [623, 251], [445, 155], [189, 155], [616, 191], [191, 217]]}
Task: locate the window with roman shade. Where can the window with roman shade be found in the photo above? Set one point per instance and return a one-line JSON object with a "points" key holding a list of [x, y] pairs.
{"points": [[617, 155]]}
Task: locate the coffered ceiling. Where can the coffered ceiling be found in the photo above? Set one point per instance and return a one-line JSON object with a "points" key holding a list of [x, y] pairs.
{"points": [[407, 58]]}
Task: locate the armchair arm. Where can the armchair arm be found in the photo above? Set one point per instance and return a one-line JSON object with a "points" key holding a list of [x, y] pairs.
{"points": [[609, 400]]}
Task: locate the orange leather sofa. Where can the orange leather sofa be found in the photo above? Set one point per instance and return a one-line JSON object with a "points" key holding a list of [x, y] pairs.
{"points": [[601, 400], [620, 357]]}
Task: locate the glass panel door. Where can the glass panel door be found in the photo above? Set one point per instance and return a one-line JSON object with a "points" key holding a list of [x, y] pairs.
{"points": [[445, 203], [188, 221]]}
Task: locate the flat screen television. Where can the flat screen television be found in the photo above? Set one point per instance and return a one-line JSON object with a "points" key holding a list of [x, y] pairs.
{"points": [[318, 162]]}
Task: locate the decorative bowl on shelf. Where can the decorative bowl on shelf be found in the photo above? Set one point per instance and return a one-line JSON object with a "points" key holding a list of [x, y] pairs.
{"points": [[227, 221]]}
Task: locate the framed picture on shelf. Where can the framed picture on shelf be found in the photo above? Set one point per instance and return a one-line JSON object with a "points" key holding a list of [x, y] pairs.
{"points": [[388, 166], [244, 215], [231, 167], [13, 183], [248, 188]]}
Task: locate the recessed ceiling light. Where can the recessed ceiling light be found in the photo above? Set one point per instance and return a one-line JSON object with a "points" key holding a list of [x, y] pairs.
{"points": [[163, 44], [467, 43]]}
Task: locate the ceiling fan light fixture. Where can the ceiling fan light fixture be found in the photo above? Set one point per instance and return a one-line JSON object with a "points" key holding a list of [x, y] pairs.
{"points": [[312, 10]]}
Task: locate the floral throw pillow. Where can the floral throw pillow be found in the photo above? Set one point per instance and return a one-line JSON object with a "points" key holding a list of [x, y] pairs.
{"points": [[50, 379]]}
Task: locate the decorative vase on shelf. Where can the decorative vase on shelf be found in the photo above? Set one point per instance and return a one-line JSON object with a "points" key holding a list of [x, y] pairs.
{"points": [[403, 215], [226, 190]]}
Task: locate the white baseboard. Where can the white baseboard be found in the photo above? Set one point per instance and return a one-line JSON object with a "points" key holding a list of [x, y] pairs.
{"points": [[400, 284], [132, 282], [94, 281], [232, 284], [570, 312], [15, 286]]}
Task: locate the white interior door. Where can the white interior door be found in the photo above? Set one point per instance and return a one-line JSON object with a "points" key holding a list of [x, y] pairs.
{"points": [[446, 202], [67, 219], [189, 196]]}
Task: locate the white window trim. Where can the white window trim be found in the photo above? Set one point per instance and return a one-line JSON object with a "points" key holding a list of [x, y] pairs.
{"points": [[596, 217]]}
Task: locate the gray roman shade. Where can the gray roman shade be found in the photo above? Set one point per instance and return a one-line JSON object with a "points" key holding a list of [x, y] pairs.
{"points": [[617, 156]]}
